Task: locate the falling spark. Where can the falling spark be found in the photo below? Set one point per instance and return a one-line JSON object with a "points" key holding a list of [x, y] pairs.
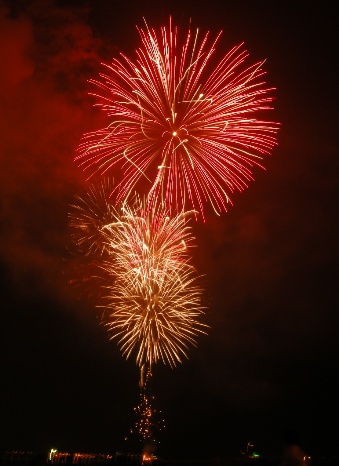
{"points": [[149, 420]]}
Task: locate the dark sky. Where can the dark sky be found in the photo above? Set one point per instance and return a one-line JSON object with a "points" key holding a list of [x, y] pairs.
{"points": [[271, 359]]}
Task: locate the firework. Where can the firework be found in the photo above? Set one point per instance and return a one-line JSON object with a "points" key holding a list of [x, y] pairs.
{"points": [[181, 129], [152, 304], [89, 215]]}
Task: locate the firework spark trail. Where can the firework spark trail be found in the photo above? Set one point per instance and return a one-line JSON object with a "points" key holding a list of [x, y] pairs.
{"points": [[178, 131], [149, 420], [152, 303]]}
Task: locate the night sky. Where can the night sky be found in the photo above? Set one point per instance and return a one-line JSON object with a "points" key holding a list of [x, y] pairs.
{"points": [[270, 362]]}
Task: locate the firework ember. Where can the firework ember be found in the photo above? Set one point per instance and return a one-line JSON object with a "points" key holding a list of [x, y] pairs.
{"points": [[181, 128]]}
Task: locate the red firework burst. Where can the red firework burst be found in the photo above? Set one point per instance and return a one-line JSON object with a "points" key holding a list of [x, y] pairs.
{"points": [[181, 130]]}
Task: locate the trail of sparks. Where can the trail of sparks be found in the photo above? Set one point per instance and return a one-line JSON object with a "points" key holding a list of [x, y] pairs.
{"points": [[149, 420], [181, 131]]}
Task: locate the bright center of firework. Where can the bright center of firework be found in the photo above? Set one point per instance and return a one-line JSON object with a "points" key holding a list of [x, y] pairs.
{"points": [[174, 133]]}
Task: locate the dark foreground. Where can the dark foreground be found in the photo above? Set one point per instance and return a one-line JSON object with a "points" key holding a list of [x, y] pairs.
{"points": [[18, 458]]}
